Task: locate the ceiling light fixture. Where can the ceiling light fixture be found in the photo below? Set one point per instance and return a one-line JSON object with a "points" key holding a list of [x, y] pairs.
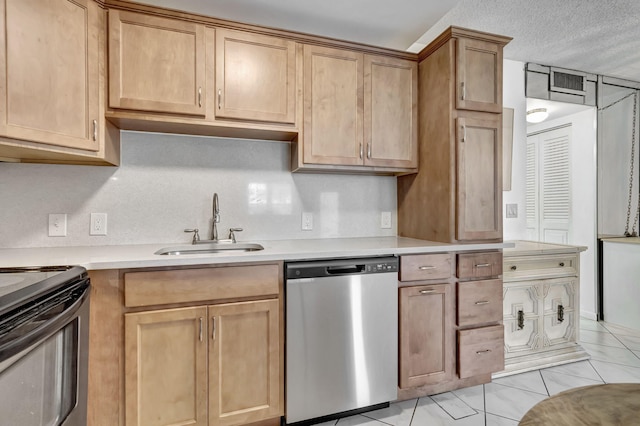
{"points": [[537, 115]]}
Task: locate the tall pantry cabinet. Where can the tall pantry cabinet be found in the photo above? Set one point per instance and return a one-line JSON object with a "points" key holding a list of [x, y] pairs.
{"points": [[456, 196]]}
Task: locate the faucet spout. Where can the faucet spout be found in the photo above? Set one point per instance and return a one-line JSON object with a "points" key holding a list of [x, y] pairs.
{"points": [[216, 217]]}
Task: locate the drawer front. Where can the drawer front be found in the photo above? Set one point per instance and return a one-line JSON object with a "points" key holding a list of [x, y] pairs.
{"points": [[480, 351], [532, 267], [479, 265], [426, 267], [203, 284], [479, 302]]}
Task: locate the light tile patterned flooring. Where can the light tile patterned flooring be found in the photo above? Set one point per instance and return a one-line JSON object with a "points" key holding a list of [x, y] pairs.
{"points": [[615, 358]]}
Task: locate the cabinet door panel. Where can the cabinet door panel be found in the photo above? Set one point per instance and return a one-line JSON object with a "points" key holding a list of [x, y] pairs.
{"points": [[524, 337], [255, 77], [558, 332], [390, 112], [156, 64], [333, 90], [559, 292], [166, 367], [479, 76], [426, 335], [479, 175], [244, 362], [51, 60]]}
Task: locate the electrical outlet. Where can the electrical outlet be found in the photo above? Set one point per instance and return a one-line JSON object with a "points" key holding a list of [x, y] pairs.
{"points": [[512, 211], [307, 221], [98, 224], [58, 225], [385, 220]]}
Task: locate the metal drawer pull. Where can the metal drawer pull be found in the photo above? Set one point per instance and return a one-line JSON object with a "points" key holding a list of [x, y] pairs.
{"points": [[95, 130], [201, 329], [426, 268], [483, 265], [514, 267], [361, 151], [219, 98], [463, 90], [200, 97], [426, 291], [560, 313], [520, 320], [482, 302], [483, 351], [213, 328], [561, 263]]}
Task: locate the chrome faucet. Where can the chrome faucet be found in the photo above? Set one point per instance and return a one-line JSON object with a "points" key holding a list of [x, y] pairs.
{"points": [[216, 217]]}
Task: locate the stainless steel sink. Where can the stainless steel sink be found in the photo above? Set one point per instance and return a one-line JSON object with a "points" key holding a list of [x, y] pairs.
{"points": [[210, 248]]}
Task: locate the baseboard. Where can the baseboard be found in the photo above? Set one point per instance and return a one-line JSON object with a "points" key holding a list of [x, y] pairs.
{"points": [[589, 315]]}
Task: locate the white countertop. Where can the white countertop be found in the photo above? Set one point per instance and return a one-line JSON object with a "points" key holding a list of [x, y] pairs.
{"points": [[525, 248], [142, 256], [622, 240]]}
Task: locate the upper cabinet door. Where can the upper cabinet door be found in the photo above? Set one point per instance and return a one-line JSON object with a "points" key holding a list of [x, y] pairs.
{"points": [[479, 76], [255, 77], [49, 68], [156, 64], [479, 175], [333, 99], [390, 112]]}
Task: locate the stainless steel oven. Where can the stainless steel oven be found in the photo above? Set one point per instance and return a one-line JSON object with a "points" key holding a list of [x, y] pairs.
{"points": [[44, 335]]}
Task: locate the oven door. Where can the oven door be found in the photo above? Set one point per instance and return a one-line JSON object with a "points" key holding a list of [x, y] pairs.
{"points": [[43, 362]]}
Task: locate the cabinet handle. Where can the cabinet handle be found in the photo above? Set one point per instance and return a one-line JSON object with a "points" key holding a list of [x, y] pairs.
{"points": [[426, 268], [426, 291], [483, 265], [219, 98], [520, 320], [95, 130], [514, 267], [201, 329], [482, 302], [561, 264], [369, 151], [560, 313], [213, 328], [463, 91], [361, 151], [200, 97], [464, 134], [485, 351]]}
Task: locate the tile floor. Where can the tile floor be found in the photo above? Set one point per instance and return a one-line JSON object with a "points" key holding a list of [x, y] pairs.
{"points": [[615, 357]]}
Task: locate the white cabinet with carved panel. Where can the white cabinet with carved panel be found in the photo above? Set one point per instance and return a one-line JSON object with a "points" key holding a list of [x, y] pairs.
{"points": [[541, 306]]}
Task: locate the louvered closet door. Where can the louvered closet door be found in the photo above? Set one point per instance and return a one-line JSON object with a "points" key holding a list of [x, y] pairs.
{"points": [[549, 186]]}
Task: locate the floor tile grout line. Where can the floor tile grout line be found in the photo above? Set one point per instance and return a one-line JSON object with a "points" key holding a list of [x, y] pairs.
{"points": [[544, 383], [548, 370], [597, 372], [451, 415], [515, 387], [413, 414]]}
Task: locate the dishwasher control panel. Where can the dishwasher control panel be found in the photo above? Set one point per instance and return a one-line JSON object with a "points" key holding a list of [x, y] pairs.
{"points": [[339, 267], [382, 267]]}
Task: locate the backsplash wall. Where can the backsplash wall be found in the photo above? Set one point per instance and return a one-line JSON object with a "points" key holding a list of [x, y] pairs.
{"points": [[165, 184]]}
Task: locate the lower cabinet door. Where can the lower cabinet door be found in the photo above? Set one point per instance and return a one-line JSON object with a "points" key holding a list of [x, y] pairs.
{"points": [[426, 335], [244, 362], [480, 351], [166, 367]]}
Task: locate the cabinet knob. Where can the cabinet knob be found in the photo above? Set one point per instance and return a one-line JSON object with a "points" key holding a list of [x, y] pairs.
{"points": [[514, 267], [562, 264]]}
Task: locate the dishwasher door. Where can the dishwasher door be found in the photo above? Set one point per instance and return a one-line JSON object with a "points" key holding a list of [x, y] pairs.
{"points": [[342, 338]]}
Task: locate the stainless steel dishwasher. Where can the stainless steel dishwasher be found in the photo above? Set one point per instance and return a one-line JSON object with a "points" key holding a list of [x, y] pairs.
{"points": [[342, 337]]}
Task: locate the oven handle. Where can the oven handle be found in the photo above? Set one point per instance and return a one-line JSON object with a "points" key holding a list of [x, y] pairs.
{"points": [[47, 329]]}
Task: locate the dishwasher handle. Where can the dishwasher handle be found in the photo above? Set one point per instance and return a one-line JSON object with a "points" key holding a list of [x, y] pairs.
{"points": [[345, 269]]}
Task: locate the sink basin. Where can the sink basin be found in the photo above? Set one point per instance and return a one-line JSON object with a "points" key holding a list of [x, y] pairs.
{"points": [[210, 248]]}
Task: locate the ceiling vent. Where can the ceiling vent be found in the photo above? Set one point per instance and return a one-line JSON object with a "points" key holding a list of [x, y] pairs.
{"points": [[558, 84]]}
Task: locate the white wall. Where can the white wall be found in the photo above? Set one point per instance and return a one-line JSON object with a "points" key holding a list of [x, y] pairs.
{"points": [[583, 207], [165, 184], [513, 97]]}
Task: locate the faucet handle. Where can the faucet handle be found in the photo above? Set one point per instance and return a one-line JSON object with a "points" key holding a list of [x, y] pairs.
{"points": [[196, 236], [232, 236]]}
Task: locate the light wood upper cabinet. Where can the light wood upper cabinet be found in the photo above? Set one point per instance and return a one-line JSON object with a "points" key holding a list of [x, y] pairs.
{"points": [[255, 77], [50, 73], [166, 367], [390, 112], [244, 363], [479, 176], [156, 64], [333, 106], [479, 76]]}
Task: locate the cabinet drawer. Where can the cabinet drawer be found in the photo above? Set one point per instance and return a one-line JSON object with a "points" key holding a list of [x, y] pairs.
{"points": [[192, 285], [479, 265], [479, 302], [426, 267], [532, 267], [480, 351]]}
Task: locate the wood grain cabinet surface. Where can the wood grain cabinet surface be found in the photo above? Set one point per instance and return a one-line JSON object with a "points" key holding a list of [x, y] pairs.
{"points": [[52, 73], [478, 75], [255, 77], [156, 64]]}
